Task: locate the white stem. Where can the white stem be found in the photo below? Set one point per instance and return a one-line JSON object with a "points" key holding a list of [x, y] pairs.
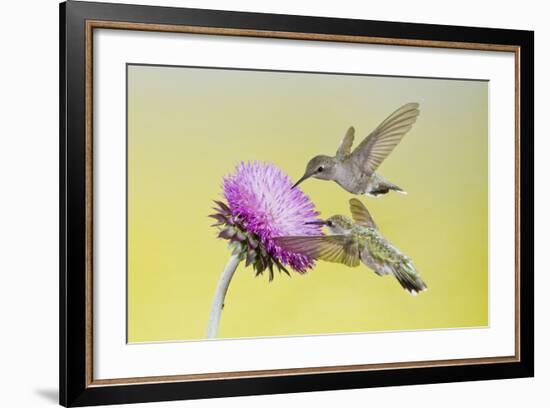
{"points": [[221, 290]]}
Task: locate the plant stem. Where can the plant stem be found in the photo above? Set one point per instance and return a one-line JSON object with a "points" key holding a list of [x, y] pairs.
{"points": [[221, 290]]}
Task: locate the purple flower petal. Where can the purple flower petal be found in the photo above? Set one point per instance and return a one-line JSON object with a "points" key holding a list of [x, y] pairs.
{"points": [[260, 195]]}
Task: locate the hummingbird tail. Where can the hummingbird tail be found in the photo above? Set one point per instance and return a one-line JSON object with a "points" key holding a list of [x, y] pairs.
{"points": [[408, 277], [399, 190], [384, 188]]}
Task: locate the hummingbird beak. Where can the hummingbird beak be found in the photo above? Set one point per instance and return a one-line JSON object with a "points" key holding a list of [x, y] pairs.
{"points": [[304, 177], [320, 222]]}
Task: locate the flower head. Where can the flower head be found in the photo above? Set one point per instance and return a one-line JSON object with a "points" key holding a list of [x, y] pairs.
{"points": [[262, 205]]}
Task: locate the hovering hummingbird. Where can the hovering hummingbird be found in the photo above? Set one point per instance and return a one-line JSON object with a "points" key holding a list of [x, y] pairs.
{"points": [[351, 242], [355, 171]]}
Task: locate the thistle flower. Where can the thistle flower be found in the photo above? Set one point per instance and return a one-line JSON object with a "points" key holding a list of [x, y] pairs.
{"points": [[261, 205]]}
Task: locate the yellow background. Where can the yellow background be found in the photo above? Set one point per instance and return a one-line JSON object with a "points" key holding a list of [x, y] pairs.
{"points": [[188, 127]]}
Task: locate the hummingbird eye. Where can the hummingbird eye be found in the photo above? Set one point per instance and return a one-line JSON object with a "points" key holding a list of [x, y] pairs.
{"points": [[320, 169], [329, 224]]}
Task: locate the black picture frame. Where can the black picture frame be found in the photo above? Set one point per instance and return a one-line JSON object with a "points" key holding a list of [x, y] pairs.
{"points": [[76, 387]]}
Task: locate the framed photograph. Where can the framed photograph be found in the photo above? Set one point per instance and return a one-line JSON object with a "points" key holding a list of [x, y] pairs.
{"points": [[256, 203]]}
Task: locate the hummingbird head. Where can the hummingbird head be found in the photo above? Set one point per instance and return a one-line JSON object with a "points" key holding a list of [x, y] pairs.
{"points": [[320, 167], [337, 224]]}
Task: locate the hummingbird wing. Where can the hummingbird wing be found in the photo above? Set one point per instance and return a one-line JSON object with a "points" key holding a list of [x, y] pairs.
{"points": [[360, 214], [372, 151], [344, 149], [342, 249]]}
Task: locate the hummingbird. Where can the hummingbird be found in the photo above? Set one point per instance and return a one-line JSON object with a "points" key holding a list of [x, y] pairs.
{"points": [[355, 171], [351, 242]]}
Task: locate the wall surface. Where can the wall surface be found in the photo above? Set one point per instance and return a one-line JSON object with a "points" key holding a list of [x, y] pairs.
{"points": [[29, 202]]}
